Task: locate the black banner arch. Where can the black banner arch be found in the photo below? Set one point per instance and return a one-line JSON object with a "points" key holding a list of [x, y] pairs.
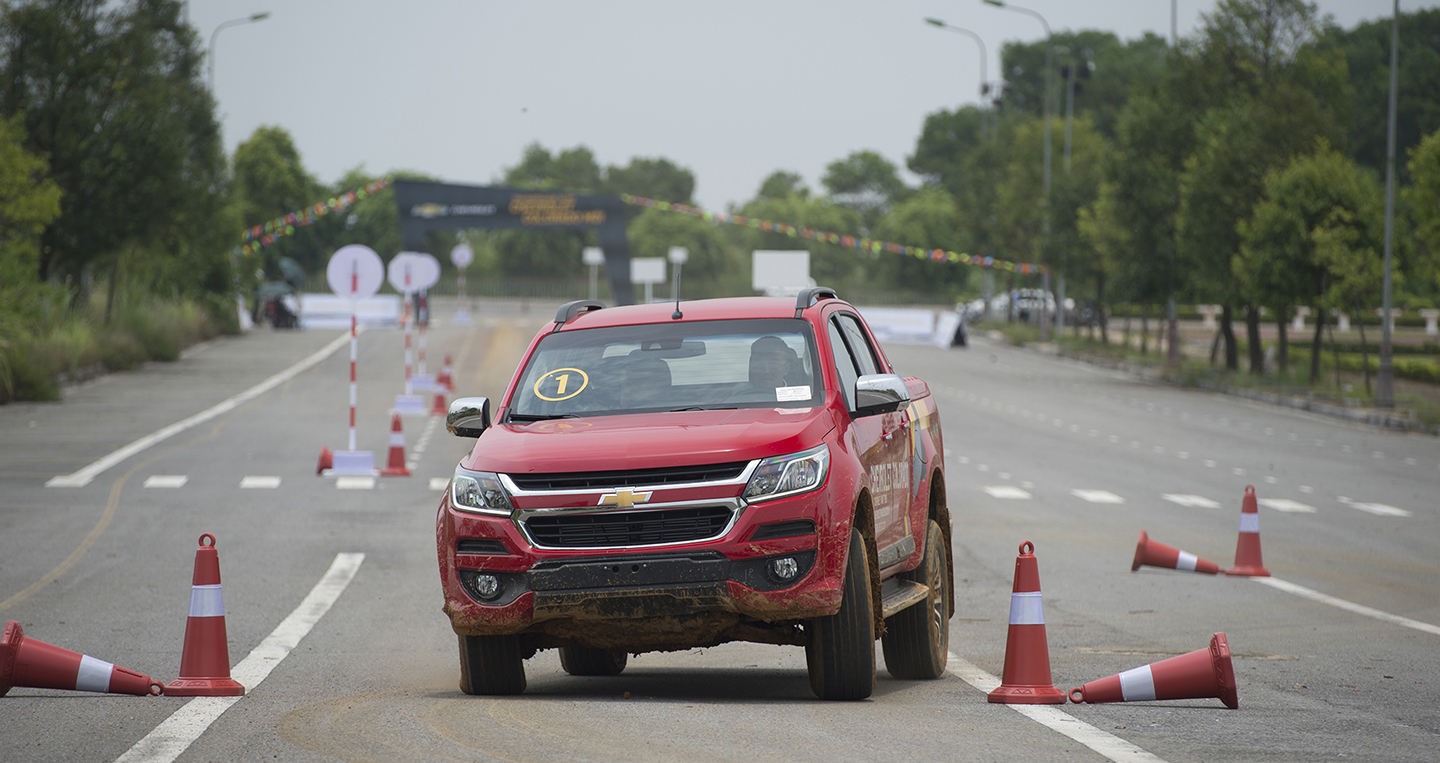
{"points": [[426, 207]]}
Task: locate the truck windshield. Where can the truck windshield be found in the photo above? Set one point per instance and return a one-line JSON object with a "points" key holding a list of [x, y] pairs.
{"points": [[671, 367]]}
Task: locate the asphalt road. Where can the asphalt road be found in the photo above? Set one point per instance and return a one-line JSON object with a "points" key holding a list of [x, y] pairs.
{"points": [[1075, 459]]}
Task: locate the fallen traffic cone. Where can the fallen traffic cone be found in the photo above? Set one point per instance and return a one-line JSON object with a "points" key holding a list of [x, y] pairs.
{"points": [[1201, 673], [1027, 657], [327, 460], [444, 380], [205, 661], [439, 408], [1156, 554], [38, 665], [1247, 546], [395, 467]]}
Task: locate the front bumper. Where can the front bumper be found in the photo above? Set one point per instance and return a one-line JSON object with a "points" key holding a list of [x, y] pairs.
{"points": [[659, 597]]}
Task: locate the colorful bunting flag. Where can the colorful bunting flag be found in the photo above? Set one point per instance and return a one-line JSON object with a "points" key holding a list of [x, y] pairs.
{"points": [[257, 238]]}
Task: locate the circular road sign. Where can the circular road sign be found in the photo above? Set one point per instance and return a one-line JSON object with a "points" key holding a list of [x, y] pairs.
{"points": [[410, 272], [462, 255], [355, 271]]}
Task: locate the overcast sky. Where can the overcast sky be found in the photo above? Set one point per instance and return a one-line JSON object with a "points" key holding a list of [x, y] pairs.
{"points": [[731, 90]]}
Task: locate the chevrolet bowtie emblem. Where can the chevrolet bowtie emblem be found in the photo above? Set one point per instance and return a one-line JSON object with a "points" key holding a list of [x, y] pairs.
{"points": [[623, 498]]}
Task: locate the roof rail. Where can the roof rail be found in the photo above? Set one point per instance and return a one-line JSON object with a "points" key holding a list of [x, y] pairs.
{"points": [[570, 310], [810, 296]]}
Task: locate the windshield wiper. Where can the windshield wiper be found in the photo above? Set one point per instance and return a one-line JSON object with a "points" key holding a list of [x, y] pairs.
{"points": [[527, 417], [705, 408]]}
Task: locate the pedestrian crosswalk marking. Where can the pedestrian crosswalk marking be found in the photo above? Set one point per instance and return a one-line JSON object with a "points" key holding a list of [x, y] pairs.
{"points": [[1286, 505], [1006, 491], [166, 480], [1096, 496], [1190, 500], [253, 482]]}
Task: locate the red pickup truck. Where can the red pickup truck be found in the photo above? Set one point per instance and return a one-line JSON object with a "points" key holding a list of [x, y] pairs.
{"points": [[665, 477]]}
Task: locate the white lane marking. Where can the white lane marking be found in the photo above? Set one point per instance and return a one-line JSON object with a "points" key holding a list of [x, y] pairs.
{"points": [[1027, 484], [255, 482], [1096, 496], [1190, 500], [1183, 455], [166, 480], [355, 483], [86, 475], [963, 459], [1114, 438], [1350, 606], [1306, 489], [1209, 464], [1006, 491], [982, 468], [1158, 449], [1238, 471], [1052, 717], [1378, 509], [175, 734], [1286, 505], [1004, 475], [1270, 480], [439, 483]]}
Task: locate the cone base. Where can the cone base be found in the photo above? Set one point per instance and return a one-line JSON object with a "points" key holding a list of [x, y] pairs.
{"points": [[204, 687], [1248, 571], [1027, 695], [327, 460], [395, 471]]}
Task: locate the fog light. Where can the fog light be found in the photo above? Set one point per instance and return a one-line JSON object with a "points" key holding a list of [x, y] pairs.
{"points": [[784, 569], [487, 586]]}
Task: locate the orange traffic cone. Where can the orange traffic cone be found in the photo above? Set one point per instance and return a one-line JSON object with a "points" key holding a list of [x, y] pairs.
{"points": [[1247, 546], [1157, 554], [205, 662], [327, 460], [439, 408], [1201, 673], [395, 467], [38, 665], [1027, 657], [444, 380]]}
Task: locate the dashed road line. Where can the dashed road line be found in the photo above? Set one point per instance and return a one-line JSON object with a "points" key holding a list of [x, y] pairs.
{"points": [[257, 482], [1350, 606], [1096, 496], [175, 734], [439, 483], [1286, 505], [1007, 492], [1052, 717], [1378, 509], [355, 483], [169, 481], [1189, 500]]}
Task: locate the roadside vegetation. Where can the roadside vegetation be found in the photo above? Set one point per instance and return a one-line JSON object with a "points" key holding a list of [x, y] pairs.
{"points": [[1241, 167]]}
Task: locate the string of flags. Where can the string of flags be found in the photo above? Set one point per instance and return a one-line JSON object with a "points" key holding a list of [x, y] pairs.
{"points": [[853, 242], [257, 238]]}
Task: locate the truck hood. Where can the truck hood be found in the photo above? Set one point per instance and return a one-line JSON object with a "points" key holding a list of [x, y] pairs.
{"points": [[647, 440]]}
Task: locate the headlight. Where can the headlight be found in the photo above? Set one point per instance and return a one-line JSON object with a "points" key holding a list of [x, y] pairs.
{"points": [[479, 492], [779, 476]]}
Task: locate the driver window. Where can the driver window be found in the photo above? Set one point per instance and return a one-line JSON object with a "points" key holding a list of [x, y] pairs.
{"points": [[844, 363], [855, 336]]}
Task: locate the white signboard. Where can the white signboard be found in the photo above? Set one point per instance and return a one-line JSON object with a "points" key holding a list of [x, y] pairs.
{"points": [[355, 271], [410, 272], [777, 272], [647, 270], [462, 256]]}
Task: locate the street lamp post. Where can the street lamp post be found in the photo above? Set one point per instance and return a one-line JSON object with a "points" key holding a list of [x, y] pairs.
{"points": [[983, 81], [1049, 75], [210, 59]]}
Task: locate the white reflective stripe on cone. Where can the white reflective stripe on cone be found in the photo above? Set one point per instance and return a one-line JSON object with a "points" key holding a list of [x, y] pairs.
{"points": [[1026, 608], [1137, 684], [1249, 523], [206, 601], [1186, 561], [94, 674], [397, 439]]}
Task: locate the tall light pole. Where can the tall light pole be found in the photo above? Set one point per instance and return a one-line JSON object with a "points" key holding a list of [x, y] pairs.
{"points": [[1385, 379], [210, 58], [983, 81], [1045, 209]]}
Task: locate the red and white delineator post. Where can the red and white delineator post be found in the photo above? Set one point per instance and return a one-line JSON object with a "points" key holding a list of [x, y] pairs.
{"points": [[461, 256], [35, 664], [355, 270], [409, 403]]}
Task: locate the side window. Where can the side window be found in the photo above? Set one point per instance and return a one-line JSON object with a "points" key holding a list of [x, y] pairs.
{"points": [[855, 336], [844, 363]]}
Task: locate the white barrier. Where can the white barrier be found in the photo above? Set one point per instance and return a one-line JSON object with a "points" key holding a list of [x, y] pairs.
{"points": [[328, 311]]}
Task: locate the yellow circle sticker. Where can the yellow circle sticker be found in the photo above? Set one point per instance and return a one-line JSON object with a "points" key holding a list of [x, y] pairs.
{"points": [[564, 383]]}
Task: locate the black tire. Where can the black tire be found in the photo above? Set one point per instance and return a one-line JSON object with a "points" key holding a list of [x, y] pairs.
{"points": [[841, 650], [917, 639], [585, 661], [491, 665]]}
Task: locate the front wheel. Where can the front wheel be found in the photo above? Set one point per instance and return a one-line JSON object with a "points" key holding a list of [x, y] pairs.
{"points": [[585, 661], [917, 639], [841, 651], [491, 665]]}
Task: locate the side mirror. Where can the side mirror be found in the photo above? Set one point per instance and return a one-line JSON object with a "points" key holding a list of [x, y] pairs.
{"points": [[880, 393], [468, 416]]}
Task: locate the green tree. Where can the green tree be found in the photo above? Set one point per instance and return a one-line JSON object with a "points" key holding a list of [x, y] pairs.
{"points": [[1107, 70], [928, 219], [546, 253], [830, 264], [865, 182], [657, 178], [713, 268], [1423, 199], [270, 180], [28, 202], [1314, 238], [781, 184], [112, 95]]}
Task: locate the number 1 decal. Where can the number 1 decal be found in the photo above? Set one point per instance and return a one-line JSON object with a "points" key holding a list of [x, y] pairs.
{"points": [[557, 382]]}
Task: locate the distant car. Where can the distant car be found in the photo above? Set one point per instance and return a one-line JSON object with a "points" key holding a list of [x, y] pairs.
{"points": [[740, 471]]}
